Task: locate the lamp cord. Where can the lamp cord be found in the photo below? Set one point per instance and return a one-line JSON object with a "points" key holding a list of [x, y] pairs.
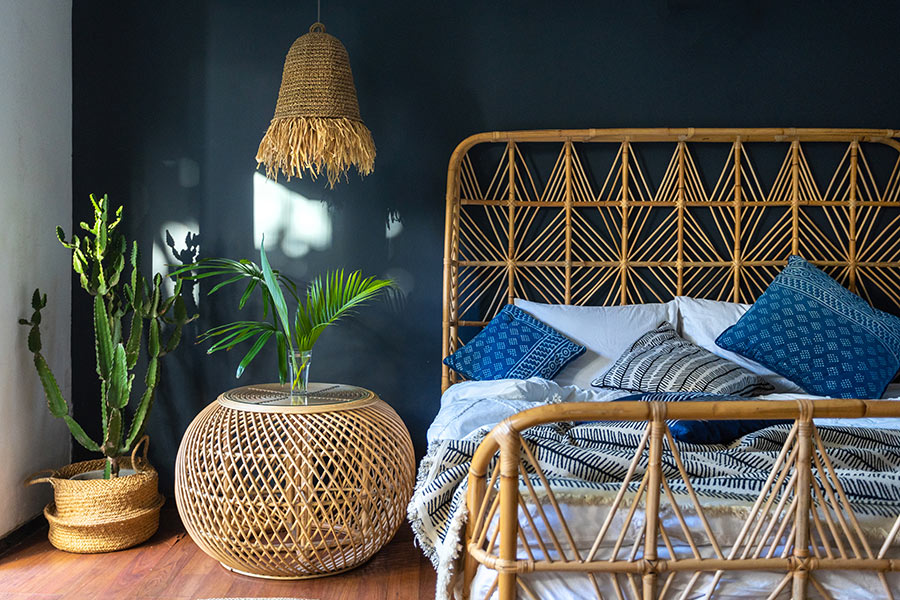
{"points": [[318, 11]]}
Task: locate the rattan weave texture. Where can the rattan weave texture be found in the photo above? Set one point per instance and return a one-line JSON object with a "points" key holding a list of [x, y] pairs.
{"points": [[317, 80], [593, 226], [317, 126], [89, 516], [593, 229], [292, 494]]}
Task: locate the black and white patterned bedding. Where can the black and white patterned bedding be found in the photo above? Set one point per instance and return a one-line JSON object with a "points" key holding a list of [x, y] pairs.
{"points": [[594, 457]]}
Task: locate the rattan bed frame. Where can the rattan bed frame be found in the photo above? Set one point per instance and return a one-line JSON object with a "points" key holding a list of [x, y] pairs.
{"points": [[597, 232]]}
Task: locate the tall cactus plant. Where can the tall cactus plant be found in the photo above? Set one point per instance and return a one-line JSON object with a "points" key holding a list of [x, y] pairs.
{"points": [[98, 257]]}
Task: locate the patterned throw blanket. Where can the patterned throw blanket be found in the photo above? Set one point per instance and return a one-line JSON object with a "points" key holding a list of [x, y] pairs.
{"points": [[581, 459]]}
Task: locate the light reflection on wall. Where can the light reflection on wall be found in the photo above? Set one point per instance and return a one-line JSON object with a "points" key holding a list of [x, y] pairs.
{"points": [[297, 223], [393, 229], [162, 255]]}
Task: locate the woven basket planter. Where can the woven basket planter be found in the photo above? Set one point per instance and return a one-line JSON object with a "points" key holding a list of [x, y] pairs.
{"points": [[102, 515]]}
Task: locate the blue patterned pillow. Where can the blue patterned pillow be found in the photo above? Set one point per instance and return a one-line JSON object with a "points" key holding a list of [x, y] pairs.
{"points": [[514, 345], [818, 334]]}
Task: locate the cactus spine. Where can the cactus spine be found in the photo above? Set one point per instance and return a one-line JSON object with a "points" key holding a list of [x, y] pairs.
{"points": [[98, 258]]}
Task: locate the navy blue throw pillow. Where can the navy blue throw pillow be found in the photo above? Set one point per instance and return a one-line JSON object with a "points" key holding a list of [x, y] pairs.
{"points": [[514, 345], [818, 334], [703, 431]]}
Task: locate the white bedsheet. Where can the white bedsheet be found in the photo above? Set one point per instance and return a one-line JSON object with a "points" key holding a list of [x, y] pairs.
{"points": [[472, 406]]}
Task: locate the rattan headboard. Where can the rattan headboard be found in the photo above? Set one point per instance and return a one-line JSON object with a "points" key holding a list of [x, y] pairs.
{"points": [[577, 216]]}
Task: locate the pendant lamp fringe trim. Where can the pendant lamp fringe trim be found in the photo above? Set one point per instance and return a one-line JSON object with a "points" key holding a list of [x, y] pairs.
{"points": [[319, 144]]}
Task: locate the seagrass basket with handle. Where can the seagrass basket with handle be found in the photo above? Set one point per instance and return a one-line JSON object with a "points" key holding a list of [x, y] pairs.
{"points": [[102, 515]]}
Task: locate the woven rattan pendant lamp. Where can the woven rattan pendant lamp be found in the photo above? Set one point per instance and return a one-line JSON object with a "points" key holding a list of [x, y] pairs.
{"points": [[317, 126]]}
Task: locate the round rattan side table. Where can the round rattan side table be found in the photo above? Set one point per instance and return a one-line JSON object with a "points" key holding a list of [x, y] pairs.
{"points": [[279, 487]]}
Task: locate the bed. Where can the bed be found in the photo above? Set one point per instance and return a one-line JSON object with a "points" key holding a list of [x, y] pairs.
{"points": [[536, 489]]}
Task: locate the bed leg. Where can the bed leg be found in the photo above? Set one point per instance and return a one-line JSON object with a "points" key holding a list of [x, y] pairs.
{"points": [[509, 511], [654, 468], [799, 585], [802, 492], [469, 565]]}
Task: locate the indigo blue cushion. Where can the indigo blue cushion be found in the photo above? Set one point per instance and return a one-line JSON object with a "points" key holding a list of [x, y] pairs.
{"points": [[702, 431], [821, 336], [514, 345]]}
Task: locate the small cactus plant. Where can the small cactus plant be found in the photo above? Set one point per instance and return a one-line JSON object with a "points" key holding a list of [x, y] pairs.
{"points": [[99, 260]]}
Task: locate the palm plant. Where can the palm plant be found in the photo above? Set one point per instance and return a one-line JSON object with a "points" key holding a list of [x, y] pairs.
{"points": [[326, 300]]}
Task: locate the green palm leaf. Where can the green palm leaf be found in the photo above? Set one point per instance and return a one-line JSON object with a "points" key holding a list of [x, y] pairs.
{"points": [[234, 271], [327, 300], [330, 298], [274, 289], [254, 350], [234, 333]]}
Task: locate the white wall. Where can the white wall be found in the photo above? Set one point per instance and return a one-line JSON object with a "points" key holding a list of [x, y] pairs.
{"points": [[35, 196]]}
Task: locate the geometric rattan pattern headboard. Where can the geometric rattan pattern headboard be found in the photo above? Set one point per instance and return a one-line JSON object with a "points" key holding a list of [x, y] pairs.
{"points": [[578, 217]]}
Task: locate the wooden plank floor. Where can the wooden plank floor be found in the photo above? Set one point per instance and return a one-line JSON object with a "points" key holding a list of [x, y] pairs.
{"points": [[169, 566]]}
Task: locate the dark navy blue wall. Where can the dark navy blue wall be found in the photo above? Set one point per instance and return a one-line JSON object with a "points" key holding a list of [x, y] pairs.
{"points": [[172, 97]]}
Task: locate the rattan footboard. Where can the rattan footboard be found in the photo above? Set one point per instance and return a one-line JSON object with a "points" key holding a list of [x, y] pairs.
{"points": [[789, 499], [578, 217]]}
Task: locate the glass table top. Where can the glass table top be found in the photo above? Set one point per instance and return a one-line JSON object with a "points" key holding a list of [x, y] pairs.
{"points": [[276, 395]]}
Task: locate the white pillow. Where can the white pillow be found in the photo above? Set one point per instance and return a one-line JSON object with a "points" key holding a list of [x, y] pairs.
{"points": [[703, 320], [606, 332]]}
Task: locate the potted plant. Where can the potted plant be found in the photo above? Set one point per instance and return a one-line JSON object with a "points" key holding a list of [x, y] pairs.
{"points": [[326, 300], [110, 503]]}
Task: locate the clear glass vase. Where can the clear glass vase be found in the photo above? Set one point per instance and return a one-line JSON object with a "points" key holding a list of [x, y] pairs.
{"points": [[298, 368]]}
